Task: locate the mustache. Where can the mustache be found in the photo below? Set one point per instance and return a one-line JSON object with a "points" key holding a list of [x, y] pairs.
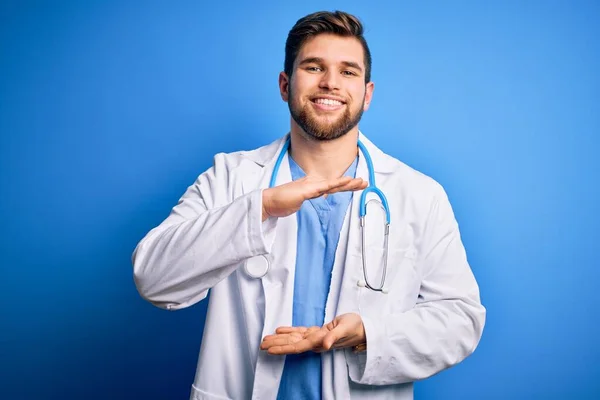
{"points": [[319, 94]]}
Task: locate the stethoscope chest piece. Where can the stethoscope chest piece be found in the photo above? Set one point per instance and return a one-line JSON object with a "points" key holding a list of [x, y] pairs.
{"points": [[257, 267]]}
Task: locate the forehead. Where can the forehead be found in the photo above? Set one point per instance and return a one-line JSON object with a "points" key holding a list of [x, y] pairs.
{"points": [[332, 49]]}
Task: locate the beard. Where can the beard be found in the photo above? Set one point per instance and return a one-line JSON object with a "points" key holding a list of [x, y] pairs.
{"points": [[319, 130]]}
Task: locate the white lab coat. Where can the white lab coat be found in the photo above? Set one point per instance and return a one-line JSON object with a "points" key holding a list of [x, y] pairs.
{"points": [[431, 319]]}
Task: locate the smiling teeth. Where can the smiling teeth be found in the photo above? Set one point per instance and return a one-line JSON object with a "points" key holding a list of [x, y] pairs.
{"points": [[328, 102]]}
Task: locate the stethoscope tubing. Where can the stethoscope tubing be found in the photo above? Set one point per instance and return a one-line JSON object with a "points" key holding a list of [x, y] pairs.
{"points": [[372, 188]]}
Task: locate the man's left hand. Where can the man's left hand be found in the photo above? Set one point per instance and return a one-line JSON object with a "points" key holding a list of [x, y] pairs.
{"points": [[347, 330]]}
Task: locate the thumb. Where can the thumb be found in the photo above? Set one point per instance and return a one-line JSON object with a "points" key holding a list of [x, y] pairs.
{"points": [[333, 336]]}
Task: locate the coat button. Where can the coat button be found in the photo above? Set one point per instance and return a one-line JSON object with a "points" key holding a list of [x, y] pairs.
{"points": [[361, 283]]}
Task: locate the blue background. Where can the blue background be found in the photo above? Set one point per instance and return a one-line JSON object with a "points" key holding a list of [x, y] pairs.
{"points": [[109, 110]]}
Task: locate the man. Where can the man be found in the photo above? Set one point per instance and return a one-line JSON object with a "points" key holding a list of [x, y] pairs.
{"points": [[298, 306]]}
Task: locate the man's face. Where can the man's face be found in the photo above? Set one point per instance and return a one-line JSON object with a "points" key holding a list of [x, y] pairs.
{"points": [[327, 93]]}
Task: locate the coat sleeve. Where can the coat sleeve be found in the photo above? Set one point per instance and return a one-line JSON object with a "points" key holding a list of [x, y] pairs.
{"points": [[442, 329], [206, 236]]}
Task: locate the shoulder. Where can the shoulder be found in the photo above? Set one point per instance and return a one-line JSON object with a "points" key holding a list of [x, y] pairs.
{"points": [[248, 161], [400, 176], [415, 182], [418, 197]]}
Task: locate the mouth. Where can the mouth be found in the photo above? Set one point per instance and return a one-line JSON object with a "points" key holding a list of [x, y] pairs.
{"points": [[326, 103]]}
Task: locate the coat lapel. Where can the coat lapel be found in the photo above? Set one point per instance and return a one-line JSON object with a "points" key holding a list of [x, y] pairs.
{"points": [[345, 275], [278, 283]]}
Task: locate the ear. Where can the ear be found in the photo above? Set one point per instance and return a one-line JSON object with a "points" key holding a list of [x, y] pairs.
{"points": [[368, 95], [284, 88]]}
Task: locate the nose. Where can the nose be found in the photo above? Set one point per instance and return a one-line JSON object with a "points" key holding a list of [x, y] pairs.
{"points": [[329, 80]]}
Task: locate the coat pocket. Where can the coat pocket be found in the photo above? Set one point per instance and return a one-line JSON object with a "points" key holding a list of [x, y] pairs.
{"points": [[401, 284]]}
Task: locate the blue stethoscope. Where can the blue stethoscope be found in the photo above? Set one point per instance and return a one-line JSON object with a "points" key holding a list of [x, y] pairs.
{"points": [[258, 266]]}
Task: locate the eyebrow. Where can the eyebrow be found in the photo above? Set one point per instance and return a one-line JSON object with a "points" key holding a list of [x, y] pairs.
{"points": [[319, 60]]}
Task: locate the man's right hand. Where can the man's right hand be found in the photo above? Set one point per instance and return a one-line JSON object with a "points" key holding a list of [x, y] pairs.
{"points": [[281, 201]]}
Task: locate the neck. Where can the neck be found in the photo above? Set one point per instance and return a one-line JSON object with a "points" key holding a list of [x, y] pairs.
{"points": [[324, 159]]}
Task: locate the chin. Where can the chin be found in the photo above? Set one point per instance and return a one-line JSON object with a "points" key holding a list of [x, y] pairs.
{"points": [[327, 136]]}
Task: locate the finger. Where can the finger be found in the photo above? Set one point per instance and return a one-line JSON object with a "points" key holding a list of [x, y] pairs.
{"points": [[290, 329], [333, 336], [321, 187], [311, 342], [293, 335], [295, 348], [328, 187], [315, 338], [356, 184], [352, 184], [280, 340], [295, 329], [311, 330], [290, 348], [286, 331], [270, 337]]}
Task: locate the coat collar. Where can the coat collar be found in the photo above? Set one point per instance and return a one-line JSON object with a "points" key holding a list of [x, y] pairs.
{"points": [[267, 155]]}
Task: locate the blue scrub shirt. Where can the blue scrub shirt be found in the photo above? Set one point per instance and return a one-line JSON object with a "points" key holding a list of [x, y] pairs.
{"points": [[319, 223]]}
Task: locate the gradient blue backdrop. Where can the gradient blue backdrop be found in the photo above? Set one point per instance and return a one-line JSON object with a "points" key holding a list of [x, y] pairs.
{"points": [[109, 110]]}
